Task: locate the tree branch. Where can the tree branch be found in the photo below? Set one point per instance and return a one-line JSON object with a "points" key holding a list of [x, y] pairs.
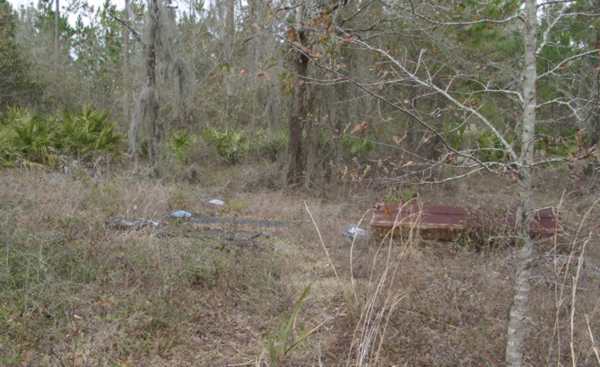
{"points": [[125, 24], [566, 61], [547, 31], [448, 96]]}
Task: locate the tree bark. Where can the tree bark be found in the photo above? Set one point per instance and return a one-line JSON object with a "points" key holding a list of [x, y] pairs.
{"points": [[296, 121], [56, 30], [147, 106], [518, 316], [155, 131], [229, 38], [125, 77], [299, 63]]}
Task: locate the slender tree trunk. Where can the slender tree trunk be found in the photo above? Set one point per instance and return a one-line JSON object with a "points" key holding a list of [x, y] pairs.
{"points": [[56, 29], [228, 53], [125, 78], [311, 138], [518, 318], [155, 131], [255, 16], [298, 110], [593, 121], [147, 107], [296, 123]]}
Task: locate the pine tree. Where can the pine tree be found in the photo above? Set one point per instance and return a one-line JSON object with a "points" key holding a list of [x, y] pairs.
{"points": [[16, 88]]}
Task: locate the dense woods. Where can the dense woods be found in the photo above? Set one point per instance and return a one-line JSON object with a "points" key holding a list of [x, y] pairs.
{"points": [[330, 99], [348, 85]]}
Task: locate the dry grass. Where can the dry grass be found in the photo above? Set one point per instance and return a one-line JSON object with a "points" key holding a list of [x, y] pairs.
{"points": [[76, 293]]}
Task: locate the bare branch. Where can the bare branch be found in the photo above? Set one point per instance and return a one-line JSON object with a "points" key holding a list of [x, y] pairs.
{"points": [[591, 334], [566, 61], [453, 178], [470, 22], [547, 31], [448, 96], [125, 24], [562, 102], [554, 2], [386, 101]]}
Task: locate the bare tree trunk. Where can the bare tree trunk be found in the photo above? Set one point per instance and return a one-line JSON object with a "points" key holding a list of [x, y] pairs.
{"points": [[228, 53], [311, 139], [56, 29], [125, 78], [298, 110], [593, 120], [155, 131], [146, 110], [518, 323]]}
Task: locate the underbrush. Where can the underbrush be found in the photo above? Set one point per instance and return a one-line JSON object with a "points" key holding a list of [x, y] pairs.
{"points": [[76, 292], [234, 145], [28, 138]]}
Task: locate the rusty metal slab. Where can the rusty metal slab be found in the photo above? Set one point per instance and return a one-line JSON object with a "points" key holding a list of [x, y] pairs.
{"points": [[545, 223], [447, 223]]}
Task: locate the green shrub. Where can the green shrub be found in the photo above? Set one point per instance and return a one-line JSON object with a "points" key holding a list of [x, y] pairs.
{"points": [[29, 137], [270, 144], [454, 132], [88, 133], [8, 152], [553, 144], [231, 145], [490, 147], [180, 143], [284, 339], [357, 147], [33, 138]]}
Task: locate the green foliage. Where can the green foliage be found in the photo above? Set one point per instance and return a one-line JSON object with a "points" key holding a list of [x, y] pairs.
{"points": [[88, 133], [32, 138], [356, 146], [562, 144], [399, 195], [29, 137], [283, 340], [179, 144], [231, 145], [488, 38], [270, 144], [490, 147], [454, 132], [287, 83], [16, 85]]}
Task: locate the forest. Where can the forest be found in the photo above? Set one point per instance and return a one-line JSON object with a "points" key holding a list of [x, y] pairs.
{"points": [[277, 183]]}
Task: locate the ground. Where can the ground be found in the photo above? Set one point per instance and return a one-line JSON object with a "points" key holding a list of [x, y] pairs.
{"points": [[76, 292]]}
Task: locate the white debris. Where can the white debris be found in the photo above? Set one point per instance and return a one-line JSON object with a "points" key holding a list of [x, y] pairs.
{"points": [[216, 202], [180, 214], [355, 232]]}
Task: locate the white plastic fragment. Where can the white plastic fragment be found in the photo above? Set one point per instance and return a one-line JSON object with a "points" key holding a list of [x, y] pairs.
{"points": [[355, 232], [180, 214], [216, 202]]}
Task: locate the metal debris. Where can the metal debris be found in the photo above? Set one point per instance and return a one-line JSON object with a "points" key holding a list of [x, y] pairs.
{"points": [[447, 223], [123, 224]]}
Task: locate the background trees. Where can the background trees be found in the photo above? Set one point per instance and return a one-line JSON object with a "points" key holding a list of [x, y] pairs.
{"points": [[16, 85]]}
